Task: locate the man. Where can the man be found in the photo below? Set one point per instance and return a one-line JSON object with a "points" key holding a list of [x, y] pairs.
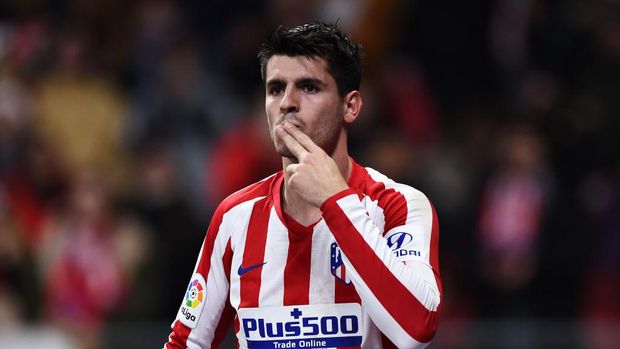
{"points": [[326, 253]]}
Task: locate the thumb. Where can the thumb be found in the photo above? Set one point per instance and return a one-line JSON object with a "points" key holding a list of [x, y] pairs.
{"points": [[291, 169]]}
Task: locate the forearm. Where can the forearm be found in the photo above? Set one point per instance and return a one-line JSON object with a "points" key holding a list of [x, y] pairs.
{"points": [[402, 300]]}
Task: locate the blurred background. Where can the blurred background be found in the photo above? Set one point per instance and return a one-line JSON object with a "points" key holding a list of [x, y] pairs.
{"points": [[124, 123]]}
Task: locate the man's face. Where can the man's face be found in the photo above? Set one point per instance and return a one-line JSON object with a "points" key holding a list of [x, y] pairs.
{"points": [[301, 91]]}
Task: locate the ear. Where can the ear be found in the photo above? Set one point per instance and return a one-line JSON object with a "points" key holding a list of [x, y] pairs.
{"points": [[352, 106]]}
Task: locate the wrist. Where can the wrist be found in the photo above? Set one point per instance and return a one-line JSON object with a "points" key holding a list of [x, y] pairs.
{"points": [[335, 197]]}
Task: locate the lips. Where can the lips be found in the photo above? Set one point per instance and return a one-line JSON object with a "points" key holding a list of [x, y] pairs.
{"points": [[291, 122]]}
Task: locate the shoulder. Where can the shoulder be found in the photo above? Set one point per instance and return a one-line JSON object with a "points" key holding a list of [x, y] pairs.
{"points": [[250, 193], [381, 187], [400, 203]]}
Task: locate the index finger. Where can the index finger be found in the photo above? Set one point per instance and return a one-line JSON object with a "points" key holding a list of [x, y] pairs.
{"points": [[296, 148], [301, 137]]}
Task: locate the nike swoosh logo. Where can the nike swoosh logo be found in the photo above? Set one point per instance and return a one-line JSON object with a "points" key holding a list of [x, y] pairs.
{"points": [[243, 270]]}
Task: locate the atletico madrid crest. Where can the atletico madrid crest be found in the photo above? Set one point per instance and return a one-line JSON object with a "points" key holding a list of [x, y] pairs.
{"points": [[337, 266]]}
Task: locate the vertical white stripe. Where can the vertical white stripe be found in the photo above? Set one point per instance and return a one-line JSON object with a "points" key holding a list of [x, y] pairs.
{"points": [[276, 253], [322, 289], [372, 335], [239, 223], [199, 256], [237, 220], [375, 212]]}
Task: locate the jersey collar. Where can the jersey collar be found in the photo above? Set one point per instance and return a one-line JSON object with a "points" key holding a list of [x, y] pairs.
{"points": [[355, 182]]}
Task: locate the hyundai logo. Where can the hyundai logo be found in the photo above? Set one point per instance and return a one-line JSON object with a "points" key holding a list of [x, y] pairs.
{"points": [[398, 240]]}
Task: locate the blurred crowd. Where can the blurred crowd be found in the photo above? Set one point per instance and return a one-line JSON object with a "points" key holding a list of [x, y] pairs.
{"points": [[123, 124]]}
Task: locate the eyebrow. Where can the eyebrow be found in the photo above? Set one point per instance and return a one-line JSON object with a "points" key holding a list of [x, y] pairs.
{"points": [[298, 82], [309, 81], [275, 82]]}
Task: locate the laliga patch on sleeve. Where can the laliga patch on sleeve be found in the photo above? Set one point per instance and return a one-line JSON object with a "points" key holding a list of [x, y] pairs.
{"points": [[193, 302]]}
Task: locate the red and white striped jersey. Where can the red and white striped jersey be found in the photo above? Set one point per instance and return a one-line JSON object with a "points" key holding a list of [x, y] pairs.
{"points": [[365, 276]]}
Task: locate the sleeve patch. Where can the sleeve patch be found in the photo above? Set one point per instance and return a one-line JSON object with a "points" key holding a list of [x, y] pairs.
{"points": [[404, 245], [193, 302]]}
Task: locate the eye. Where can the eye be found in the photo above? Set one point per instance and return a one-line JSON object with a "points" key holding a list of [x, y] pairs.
{"points": [[275, 90], [310, 88]]}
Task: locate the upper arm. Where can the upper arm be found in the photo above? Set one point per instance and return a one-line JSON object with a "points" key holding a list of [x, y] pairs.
{"points": [[204, 300]]}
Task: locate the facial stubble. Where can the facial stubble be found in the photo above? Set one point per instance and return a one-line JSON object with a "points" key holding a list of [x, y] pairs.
{"points": [[328, 142]]}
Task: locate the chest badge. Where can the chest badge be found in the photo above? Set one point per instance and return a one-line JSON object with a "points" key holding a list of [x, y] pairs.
{"points": [[338, 268]]}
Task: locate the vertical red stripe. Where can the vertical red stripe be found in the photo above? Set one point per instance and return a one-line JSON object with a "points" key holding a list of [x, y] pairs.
{"points": [[204, 264], [254, 253], [178, 337], [345, 293], [393, 203], [227, 260], [228, 312], [297, 270], [223, 325]]}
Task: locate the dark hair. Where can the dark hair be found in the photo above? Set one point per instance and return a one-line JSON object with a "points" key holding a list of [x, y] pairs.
{"points": [[321, 40]]}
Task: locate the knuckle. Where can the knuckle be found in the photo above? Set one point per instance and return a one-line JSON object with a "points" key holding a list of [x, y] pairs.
{"points": [[293, 181]]}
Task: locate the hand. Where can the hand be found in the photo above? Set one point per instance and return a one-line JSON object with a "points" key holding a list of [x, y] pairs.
{"points": [[316, 176]]}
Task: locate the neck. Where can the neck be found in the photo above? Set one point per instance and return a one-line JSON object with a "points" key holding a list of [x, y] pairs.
{"points": [[303, 212]]}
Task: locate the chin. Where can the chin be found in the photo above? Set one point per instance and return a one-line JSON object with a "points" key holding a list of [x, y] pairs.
{"points": [[288, 155], [284, 152]]}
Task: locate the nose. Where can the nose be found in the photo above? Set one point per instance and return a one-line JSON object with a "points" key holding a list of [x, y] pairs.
{"points": [[289, 102]]}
